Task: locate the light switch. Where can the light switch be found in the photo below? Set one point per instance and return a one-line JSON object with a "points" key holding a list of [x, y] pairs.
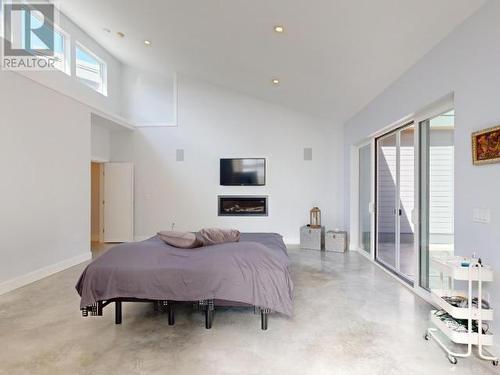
{"points": [[481, 215], [179, 154], [308, 154]]}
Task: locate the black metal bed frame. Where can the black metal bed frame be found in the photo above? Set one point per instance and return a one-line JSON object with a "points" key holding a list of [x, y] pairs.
{"points": [[206, 305]]}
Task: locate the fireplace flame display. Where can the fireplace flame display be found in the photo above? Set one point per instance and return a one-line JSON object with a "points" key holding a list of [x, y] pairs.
{"points": [[242, 206]]}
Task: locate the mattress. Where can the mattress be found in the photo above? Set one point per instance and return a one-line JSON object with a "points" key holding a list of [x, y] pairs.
{"points": [[253, 271]]}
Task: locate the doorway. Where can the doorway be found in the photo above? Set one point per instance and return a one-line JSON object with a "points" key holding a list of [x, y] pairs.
{"points": [[97, 204], [112, 203], [395, 202]]}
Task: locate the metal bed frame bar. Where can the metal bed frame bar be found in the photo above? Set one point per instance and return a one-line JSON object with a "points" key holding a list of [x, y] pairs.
{"points": [[206, 305]]}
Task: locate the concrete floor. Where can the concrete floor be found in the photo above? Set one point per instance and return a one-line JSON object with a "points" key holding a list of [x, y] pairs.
{"points": [[350, 318]]}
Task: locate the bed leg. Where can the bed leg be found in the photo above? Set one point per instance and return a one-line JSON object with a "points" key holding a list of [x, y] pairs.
{"points": [[171, 313], [264, 314], [99, 308], [209, 314], [263, 318], [118, 312], [209, 317]]}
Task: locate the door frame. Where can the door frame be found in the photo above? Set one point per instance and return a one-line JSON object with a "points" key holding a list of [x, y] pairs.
{"points": [[101, 198], [355, 219], [440, 106]]}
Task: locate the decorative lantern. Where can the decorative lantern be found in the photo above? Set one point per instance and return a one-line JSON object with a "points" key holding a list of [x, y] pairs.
{"points": [[315, 218]]}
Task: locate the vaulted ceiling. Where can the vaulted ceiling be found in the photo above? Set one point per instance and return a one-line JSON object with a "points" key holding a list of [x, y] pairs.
{"points": [[333, 58]]}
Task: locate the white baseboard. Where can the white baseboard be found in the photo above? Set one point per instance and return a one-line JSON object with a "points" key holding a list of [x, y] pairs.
{"points": [[41, 273], [291, 241]]}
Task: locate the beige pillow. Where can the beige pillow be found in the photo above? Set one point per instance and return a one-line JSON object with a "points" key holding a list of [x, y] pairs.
{"points": [[183, 240], [213, 236]]}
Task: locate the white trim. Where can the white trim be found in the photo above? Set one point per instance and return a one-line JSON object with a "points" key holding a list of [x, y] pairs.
{"points": [[291, 241], [354, 203], [41, 273], [99, 160], [108, 116], [354, 244]]}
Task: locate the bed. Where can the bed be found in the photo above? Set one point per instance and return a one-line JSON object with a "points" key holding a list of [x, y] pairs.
{"points": [[252, 272]]}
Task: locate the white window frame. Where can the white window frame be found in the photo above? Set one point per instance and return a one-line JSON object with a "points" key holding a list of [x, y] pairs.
{"points": [[67, 49], [103, 66]]}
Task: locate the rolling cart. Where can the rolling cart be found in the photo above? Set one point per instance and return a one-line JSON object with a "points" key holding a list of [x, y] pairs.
{"points": [[471, 271]]}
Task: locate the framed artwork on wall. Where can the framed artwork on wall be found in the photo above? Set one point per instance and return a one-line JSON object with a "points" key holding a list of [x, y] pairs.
{"points": [[486, 146]]}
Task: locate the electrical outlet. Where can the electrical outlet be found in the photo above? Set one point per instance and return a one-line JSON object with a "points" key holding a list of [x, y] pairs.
{"points": [[481, 215]]}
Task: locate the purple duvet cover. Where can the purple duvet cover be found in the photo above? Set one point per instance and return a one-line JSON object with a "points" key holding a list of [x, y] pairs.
{"points": [[253, 271]]}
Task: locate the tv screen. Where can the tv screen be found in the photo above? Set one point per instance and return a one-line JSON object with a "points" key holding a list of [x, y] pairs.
{"points": [[243, 172]]}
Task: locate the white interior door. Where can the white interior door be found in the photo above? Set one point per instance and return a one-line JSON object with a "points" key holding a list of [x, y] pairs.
{"points": [[118, 202]]}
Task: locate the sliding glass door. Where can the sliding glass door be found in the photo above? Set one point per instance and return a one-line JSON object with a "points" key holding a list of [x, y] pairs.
{"points": [[410, 187], [395, 192], [365, 185], [436, 193], [407, 258], [387, 193]]}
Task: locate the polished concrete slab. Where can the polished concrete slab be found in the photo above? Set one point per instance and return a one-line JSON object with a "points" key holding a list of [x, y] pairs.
{"points": [[350, 318]]}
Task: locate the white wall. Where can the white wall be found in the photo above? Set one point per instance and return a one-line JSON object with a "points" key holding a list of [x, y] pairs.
{"points": [[45, 186], [147, 99], [468, 64], [216, 123], [100, 142]]}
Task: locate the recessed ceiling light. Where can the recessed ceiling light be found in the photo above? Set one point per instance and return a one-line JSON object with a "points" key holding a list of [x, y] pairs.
{"points": [[275, 81], [147, 42], [279, 28], [120, 34]]}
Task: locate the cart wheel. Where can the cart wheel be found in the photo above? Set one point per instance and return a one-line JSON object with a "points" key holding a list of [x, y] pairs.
{"points": [[495, 362], [452, 359], [426, 336]]}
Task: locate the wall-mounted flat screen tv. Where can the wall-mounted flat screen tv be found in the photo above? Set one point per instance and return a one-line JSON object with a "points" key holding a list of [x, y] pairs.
{"points": [[243, 172]]}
